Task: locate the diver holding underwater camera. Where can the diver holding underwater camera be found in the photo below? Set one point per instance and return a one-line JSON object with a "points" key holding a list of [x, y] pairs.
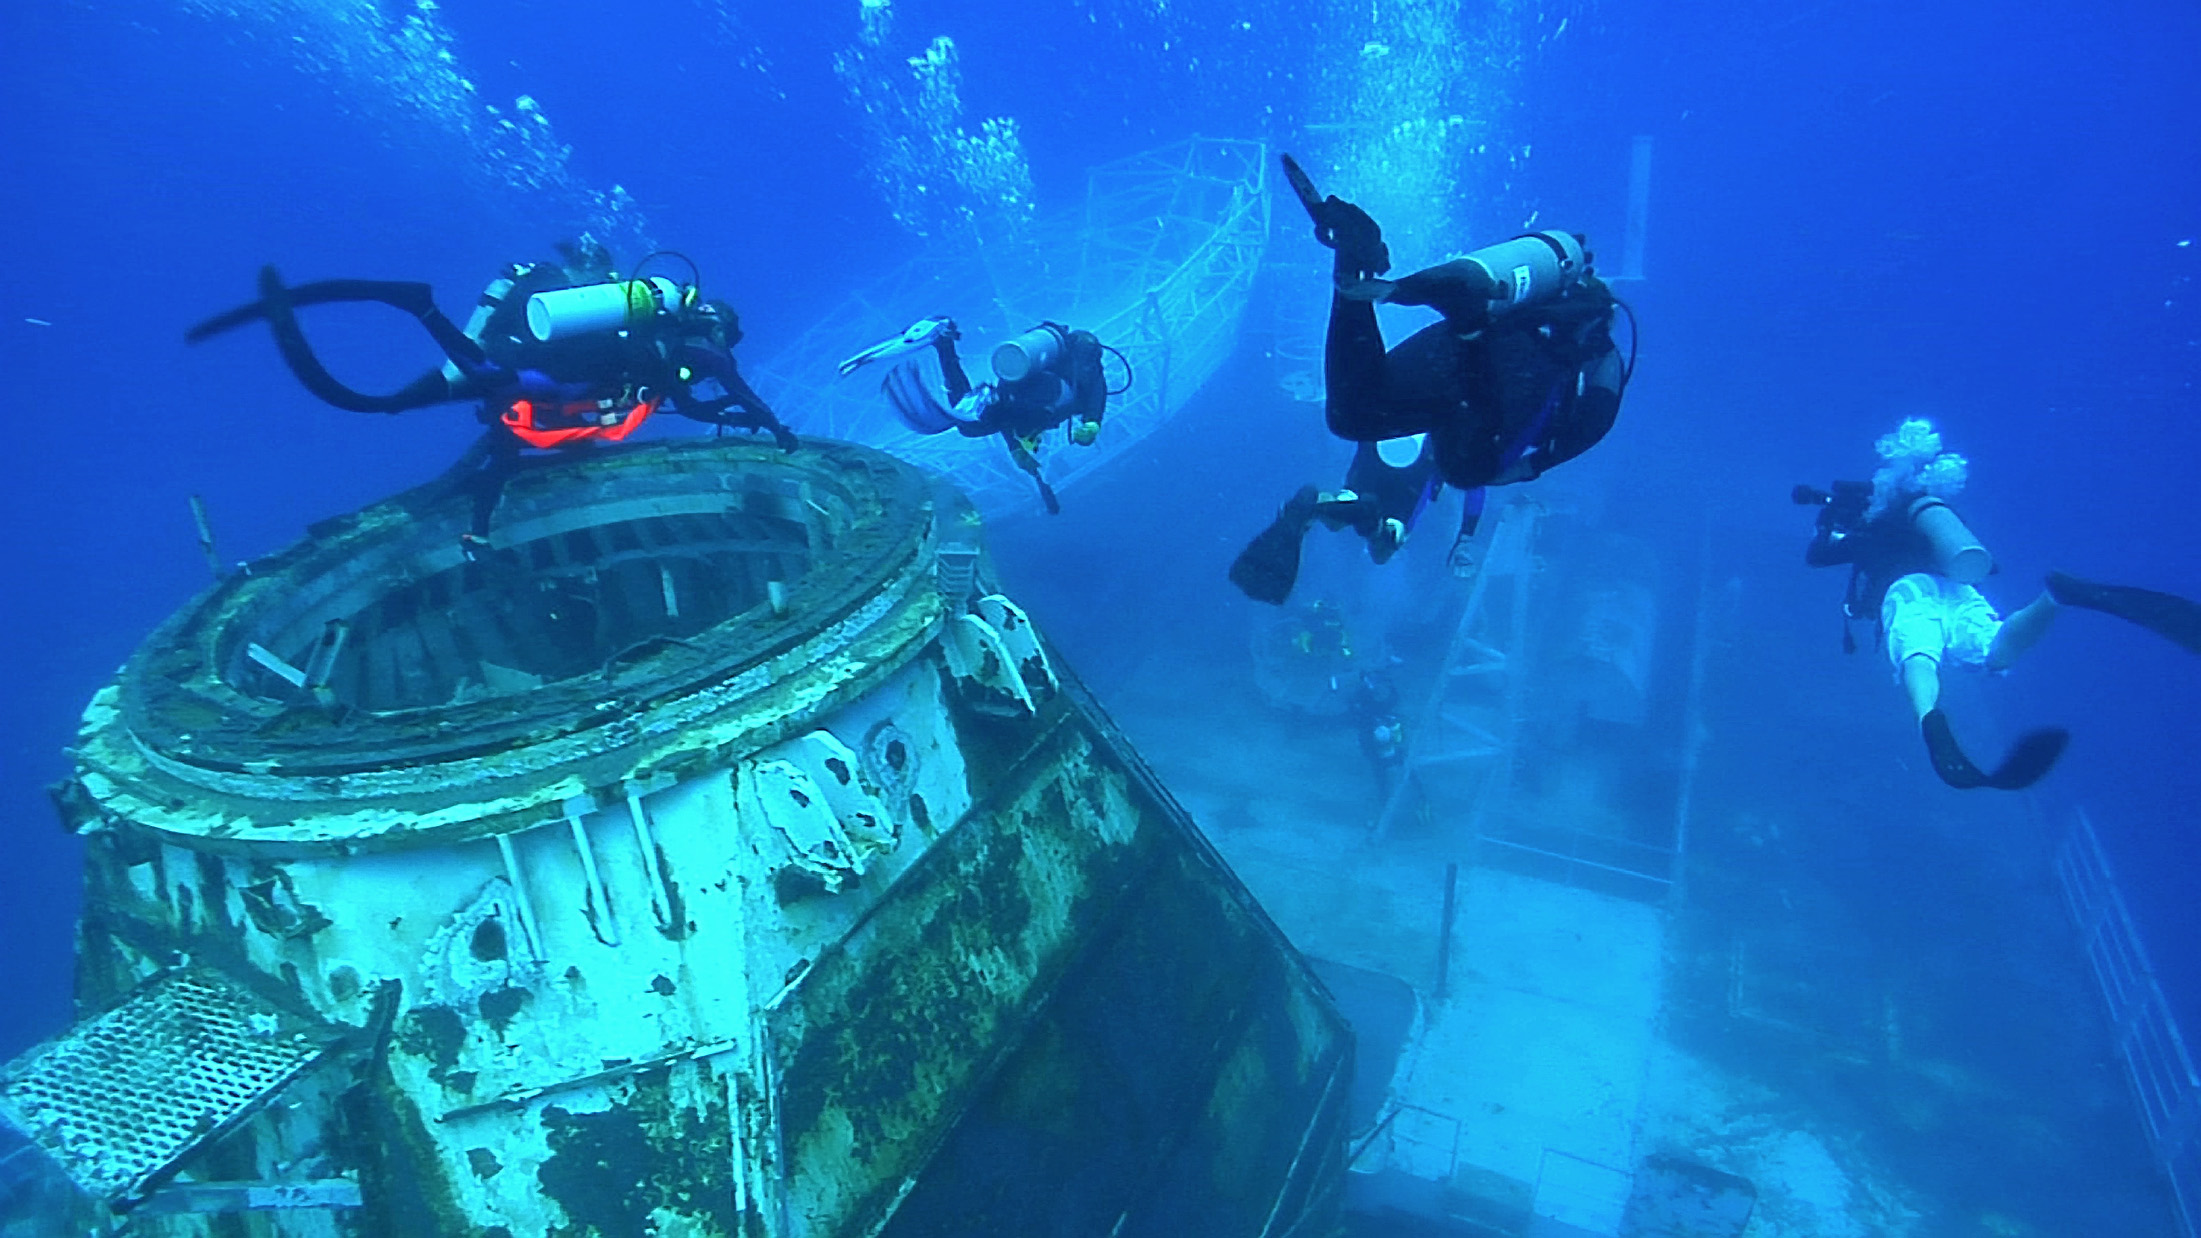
{"points": [[1914, 567]]}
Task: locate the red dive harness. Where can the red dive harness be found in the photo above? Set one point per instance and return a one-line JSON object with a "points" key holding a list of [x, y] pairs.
{"points": [[575, 421]]}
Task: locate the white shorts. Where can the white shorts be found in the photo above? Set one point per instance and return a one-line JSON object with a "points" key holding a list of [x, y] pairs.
{"points": [[1938, 618]]}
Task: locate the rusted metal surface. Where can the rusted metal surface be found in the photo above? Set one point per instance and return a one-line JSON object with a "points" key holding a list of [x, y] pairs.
{"points": [[798, 937], [192, 723]]}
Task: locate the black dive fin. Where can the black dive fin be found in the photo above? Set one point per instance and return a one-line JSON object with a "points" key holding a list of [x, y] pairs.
{"points": [[243, 315], [2028, 760], [1268, 567], [1949, 760], [278, 306], [411, 297], [290, 340], [1342, 226], [2173, 618], [1303, 186]]}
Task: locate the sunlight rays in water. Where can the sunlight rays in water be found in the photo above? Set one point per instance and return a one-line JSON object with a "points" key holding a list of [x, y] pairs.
{"points": [[400, 73]]}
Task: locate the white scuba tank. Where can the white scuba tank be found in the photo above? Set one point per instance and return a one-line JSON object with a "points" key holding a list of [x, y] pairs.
{"points": [[567, 312], [1958, 555], [1034, 350]]}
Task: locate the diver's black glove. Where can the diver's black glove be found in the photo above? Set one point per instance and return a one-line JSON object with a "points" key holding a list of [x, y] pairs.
{"points": [[782, 437], [761, 418], [721, 414]]}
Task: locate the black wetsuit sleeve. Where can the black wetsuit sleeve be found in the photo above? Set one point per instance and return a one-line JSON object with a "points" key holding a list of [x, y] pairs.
{"points": [[1591, 415], [1088, 379], [1829, 549], [1842, 534], [745, 395], [755, 413], [719, 364], [1582, 323]]}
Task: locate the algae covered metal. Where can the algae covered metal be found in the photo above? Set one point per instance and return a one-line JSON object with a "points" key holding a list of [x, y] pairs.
{"points": [[717, 855]]}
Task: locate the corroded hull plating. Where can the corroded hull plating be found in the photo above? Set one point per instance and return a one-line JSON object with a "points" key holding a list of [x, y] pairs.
{"points": [[712, 860]]}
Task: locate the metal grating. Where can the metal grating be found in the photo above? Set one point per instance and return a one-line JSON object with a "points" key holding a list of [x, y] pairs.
{"points": [[121, 1097], [2165, 1085]]}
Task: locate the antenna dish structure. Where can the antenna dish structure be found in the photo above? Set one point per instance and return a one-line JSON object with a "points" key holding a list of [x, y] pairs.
{"points": [[1159, 264]]}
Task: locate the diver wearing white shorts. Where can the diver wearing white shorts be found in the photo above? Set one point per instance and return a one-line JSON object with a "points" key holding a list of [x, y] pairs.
{"points": [[1933, 617], [1913, 565], [1913, 568]]}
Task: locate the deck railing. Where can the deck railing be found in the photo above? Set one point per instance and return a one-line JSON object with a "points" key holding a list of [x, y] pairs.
{"points": [[2148, 1039]]}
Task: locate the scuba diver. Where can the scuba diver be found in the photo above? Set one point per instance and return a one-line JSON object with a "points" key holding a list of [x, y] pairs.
{"points": [[1387, 488], [1520, 375], [1914, 568], [1382, 734], [1047, 377], [557, 354]]}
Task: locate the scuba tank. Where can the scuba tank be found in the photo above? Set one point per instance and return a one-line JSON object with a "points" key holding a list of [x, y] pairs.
{"points": [[610, 306], [1958, 555], [1035, 350], [1493, 281], [1535, 266]]}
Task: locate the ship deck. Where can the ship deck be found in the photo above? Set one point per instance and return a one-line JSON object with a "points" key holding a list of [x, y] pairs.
{"points": [[1797, 1009]]}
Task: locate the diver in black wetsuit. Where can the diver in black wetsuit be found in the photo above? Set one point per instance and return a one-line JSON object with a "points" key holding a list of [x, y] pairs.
{"points": [[1375, 711], [1520, 375], [1049, 376], [557, 354], [1387, 487]]}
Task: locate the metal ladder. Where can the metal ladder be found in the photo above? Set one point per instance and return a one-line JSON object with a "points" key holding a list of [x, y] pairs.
{"points": [[1472, 711]]}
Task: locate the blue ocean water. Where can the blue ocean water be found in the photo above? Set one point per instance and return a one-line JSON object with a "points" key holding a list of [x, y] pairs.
{"points": [[1988, 215]]}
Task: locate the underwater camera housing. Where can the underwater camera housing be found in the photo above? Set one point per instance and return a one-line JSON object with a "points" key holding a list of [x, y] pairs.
{"points": [[1842, 503], [1841, 496]]}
